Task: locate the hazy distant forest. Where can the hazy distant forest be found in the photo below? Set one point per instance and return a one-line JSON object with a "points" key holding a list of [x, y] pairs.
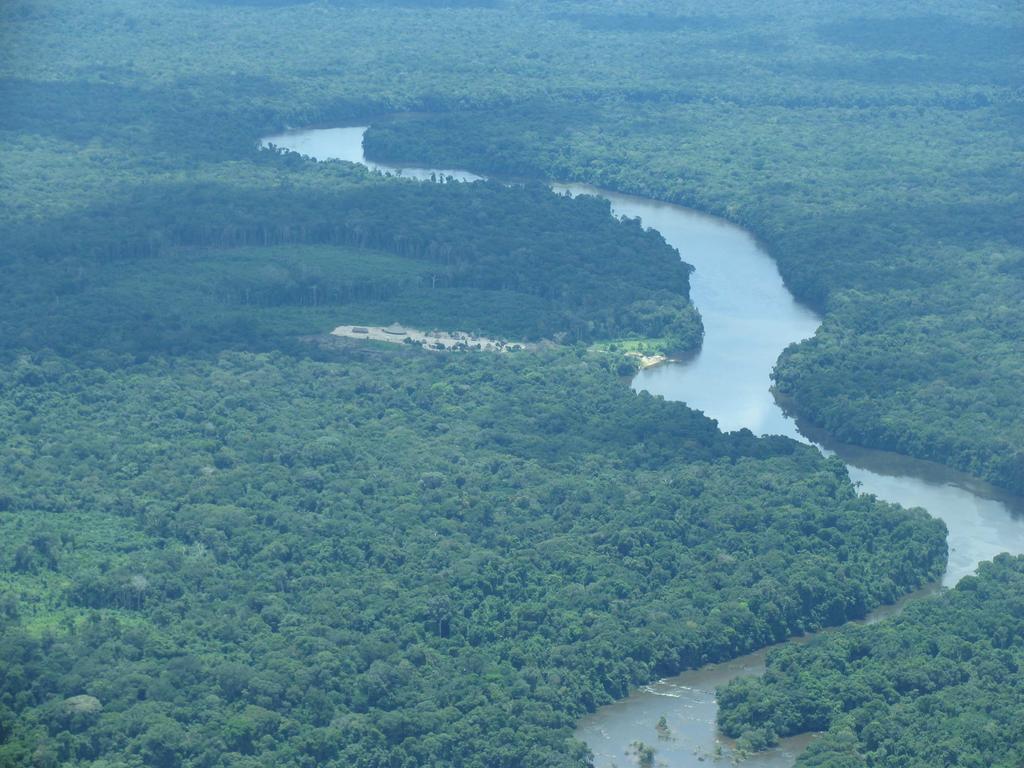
{"points": [[228, 540]]}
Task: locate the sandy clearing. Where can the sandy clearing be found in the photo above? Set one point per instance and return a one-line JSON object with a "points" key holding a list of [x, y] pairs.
{"points": [[434, 340]]}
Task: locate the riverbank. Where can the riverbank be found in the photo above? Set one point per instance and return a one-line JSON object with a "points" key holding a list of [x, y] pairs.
{"points": [[749, 318], [648, 361], [646, 353]]}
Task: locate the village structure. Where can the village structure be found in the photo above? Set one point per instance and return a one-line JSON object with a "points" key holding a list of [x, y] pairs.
{"points": [[438, 341]]}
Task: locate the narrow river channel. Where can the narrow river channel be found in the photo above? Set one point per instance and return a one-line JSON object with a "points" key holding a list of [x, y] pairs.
{"points": [[749, 318]]}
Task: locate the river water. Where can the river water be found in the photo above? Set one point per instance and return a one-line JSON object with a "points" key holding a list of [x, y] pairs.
{"points": [[749, 318]]}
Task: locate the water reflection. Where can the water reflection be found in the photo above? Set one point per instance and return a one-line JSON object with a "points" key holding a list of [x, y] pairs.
{"points": [[347, 144]]}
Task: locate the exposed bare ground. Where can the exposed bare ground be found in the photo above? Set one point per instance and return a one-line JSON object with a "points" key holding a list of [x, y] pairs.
{"points": [[434, 340]]}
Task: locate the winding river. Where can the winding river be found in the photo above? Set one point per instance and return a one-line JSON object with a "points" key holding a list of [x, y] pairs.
{"points": [[749, 318]]}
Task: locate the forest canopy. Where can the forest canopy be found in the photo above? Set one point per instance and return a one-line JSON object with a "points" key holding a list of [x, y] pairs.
{"points": [[230, 541], [191, 266], [395, 557], [939, 685]]}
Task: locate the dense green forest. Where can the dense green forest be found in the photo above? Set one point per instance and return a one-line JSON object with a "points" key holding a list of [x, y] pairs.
{"points": [[229, 540], [875, 148], [887, 184], [939, 685], [195, 266], [393, 557]]}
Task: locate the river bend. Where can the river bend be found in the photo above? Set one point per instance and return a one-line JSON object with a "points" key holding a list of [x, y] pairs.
{"points": [[749, 318]]}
